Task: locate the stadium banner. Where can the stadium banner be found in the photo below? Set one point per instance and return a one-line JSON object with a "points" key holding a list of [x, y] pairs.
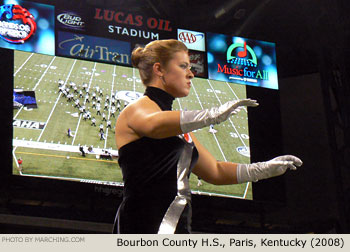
{"points": [[128, 26], [198, 63], [70, 20], [27, 26], [241, 60], [87, 47], [192, 39]]}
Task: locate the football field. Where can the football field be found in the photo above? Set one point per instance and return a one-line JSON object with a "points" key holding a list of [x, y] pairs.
{"points": [[40, 135]]}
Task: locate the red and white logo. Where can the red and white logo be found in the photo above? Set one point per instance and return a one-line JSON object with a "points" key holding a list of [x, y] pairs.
{"points": [[17, 24], [188, 138], [193, 40], [187, 37]]}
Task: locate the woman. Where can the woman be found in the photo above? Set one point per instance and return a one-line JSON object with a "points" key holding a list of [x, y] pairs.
{"points": [[157, 152]]}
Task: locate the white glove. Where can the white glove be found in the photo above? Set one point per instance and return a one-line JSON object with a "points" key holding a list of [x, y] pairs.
{"points": [[263, 170], [197, 119]]}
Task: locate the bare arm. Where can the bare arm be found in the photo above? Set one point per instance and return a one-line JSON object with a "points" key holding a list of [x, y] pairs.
{"points": [[225, 173], [211, 170], [146, 119]]}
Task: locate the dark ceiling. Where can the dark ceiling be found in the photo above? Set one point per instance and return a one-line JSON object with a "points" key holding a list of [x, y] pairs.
{"points": [[301, 29]]}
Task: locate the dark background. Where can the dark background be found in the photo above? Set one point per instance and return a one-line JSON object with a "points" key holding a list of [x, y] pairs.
{"points": [[312, 43]]}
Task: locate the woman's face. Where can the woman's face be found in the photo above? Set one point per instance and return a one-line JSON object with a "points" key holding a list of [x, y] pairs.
{"points": [[177, 75]]}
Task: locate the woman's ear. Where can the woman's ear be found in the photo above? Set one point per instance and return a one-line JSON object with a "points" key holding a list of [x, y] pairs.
{"points": [[157, 69]]}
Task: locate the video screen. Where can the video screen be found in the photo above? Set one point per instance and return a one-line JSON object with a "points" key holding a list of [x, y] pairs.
{"points": [[69, 134], [27, 26], [242, 60]]}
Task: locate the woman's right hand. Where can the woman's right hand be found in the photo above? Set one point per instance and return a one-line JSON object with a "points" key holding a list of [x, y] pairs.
{"points": [[196, 119]]}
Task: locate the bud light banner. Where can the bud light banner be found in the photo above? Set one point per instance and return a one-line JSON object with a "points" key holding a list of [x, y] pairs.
{"points": [[27, 26], [242, 61], [70, 20], [93, 48]]}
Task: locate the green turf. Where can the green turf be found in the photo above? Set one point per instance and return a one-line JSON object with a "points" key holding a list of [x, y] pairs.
{"points": [[41, 74]]}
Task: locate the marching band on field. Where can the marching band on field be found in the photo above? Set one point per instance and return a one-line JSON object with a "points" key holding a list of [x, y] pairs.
{"points": [[80, 96]]}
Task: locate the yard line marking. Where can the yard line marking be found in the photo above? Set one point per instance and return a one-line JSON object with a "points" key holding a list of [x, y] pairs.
{"points": [[110, 103], [48, 67], [178, 101], [76, 130], [75, 179], [216, 194], [14, 156], [57, 147], [134, 78], [216, 140], [246, 190], [48, 119], [23, 64], [64, 156], [245, 109], [228, 118], [233, 92], [19, 111]]}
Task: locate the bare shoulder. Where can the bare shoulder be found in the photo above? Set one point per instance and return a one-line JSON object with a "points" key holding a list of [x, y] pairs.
{"points": [[132, 113], [142, 105]]}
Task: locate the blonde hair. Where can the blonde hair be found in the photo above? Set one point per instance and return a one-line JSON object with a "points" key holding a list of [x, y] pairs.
{"points": [[161, 51]]}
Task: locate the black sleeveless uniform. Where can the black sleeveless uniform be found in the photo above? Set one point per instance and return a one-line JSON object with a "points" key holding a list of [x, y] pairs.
{"points": [[157, 197]]}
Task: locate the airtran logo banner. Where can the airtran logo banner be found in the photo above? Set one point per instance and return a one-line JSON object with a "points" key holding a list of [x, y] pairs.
{"points": [[93, 48], [242, 61]]}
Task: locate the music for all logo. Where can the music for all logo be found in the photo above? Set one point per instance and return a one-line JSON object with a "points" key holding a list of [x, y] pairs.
{"points": [[244, 64]]}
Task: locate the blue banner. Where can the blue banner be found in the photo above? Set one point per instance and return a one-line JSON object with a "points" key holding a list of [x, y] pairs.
{"points": [[27, 26], [93, 48], [242, 61]]}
